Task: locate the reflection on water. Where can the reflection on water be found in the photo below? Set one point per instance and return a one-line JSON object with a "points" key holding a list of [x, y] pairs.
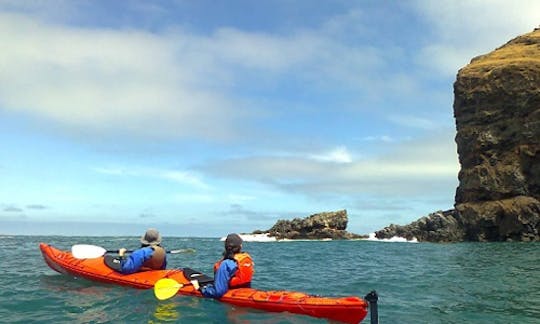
{"points": [[166, 312], [83, 301]]}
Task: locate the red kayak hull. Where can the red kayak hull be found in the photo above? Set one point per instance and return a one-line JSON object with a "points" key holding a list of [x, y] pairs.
{"points": [[343, 309]]}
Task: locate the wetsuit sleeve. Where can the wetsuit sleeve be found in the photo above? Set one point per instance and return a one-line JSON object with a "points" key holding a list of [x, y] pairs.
{"points": [[223, 275], [134, 261]]}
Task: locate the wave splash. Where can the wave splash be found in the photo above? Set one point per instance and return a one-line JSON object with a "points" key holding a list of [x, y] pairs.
{"points": [[392, 239], [264, 237]]}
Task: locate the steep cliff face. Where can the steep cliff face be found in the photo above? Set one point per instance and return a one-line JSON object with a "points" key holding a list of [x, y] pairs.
{"points": [[497, 112]]}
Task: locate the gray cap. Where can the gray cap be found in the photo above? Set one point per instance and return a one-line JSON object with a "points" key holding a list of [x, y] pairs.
{"points": [[151, 237]]}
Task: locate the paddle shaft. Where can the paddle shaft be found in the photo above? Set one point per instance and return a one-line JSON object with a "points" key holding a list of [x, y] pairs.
{"points": [[130, 251], [84, 251]]}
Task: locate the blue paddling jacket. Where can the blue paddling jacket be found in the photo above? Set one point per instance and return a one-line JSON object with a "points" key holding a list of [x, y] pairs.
{"points": [[146, 258]]}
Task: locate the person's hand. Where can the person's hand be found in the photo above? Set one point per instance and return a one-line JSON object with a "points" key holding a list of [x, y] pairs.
{"points": [[195, 284], [121, 252]]}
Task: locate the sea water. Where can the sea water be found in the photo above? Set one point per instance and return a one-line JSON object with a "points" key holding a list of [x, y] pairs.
{"points": [[416, 282]]}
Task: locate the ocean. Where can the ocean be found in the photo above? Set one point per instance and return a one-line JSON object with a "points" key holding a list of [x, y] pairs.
{"points": [[416, 282]]}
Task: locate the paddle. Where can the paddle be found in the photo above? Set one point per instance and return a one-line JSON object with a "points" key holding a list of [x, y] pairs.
{"points": [[166, 288], [88, 251]]}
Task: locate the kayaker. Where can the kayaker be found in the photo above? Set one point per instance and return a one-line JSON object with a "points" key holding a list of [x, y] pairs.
{"points": [[235, 270], [151, 255]]}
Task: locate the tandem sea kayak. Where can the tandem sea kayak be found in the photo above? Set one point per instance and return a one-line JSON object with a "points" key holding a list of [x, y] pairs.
{"points": [[343, 309]]}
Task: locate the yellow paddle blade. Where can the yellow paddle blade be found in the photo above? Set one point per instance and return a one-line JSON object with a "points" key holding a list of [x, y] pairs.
{"points": [[166, 288]]}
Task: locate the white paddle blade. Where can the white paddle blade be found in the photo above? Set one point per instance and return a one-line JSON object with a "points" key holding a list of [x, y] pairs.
{"points": [[87, 251], [181, 251]]}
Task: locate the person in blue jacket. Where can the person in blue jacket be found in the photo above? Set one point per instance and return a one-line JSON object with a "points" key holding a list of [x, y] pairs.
{"points": [[235, 270], [150, 256]]}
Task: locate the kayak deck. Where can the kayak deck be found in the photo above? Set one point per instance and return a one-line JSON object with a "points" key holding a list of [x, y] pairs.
{"points": [[344, 309]]}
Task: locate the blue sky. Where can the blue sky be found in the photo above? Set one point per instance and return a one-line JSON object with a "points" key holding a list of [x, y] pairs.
{"points": [[208, 117]]}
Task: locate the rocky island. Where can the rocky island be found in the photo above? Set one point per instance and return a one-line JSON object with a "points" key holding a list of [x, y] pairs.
{"points": [[326, 225], [497, 113]]}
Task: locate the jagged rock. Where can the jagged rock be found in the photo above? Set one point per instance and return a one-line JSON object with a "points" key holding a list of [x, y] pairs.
{"points": [[436, 227], [327, 225], [497, 112]]}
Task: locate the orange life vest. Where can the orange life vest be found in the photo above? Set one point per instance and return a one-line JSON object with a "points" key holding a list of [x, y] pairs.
{"points": [[244, 273], [157, 259]]}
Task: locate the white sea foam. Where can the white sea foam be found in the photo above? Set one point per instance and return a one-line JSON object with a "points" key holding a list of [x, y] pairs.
{"points": [[264, 237], [255, 238], [392, 239]]}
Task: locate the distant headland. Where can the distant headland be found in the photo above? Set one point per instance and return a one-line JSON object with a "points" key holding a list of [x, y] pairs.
{"points": [[497, 112]]}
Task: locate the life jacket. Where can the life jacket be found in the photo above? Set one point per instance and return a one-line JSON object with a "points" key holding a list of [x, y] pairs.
{"points": [[157, 259], [244, 273]]}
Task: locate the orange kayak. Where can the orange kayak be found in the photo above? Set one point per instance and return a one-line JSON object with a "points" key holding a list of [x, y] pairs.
{"points": [[343, 309]]}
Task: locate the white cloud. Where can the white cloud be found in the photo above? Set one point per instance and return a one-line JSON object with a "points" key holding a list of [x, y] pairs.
{"points": [[413, 122], [182, 177], [108, 81], [379, 138], [169, 85], [408, 169], [465, 29], [338, 155]]}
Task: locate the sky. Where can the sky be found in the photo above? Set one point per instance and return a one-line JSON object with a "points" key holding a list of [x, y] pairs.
{"points": [[206, 117]]}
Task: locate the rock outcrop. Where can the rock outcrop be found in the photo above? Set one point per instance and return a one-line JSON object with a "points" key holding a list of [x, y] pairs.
{"points": [[497, 112], [441, 226], [327, 225]]}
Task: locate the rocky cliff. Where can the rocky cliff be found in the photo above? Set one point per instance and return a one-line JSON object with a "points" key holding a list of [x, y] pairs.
{"points": [[497, 113], [327, 225]]}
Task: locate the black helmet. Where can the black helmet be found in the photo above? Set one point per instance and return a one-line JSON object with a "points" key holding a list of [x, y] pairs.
{"points": [[233, 240]]}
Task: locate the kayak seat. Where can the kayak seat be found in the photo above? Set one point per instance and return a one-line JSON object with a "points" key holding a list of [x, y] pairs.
{"points": [[203, 279], [113, 262]]}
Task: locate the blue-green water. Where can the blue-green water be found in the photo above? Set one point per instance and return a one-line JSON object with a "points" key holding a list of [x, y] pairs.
{"points": [[416, 283]]}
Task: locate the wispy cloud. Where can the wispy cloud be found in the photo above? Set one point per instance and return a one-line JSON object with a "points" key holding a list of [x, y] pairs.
{"points": [[337, 155], [37, 207], [379, 138], [182, 177], [412, 164], [413, 122], [239, 211], [12, 209]]}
